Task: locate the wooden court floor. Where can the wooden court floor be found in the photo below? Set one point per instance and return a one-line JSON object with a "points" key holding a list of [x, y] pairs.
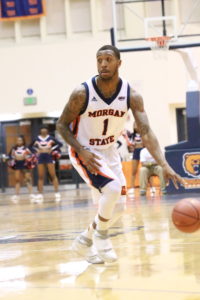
{"points": [[156, 262]]}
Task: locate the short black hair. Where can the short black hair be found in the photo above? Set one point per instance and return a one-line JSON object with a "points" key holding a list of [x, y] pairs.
{"points": [[112, 48], [44, 127]]}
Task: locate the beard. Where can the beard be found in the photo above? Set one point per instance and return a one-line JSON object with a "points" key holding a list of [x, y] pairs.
{"points": [[110, 77]]}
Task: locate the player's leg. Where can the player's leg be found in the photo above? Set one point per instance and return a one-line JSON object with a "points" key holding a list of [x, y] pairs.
{"points": [[83, 244], [118, 211], [106, 218], [103, 220], [110, 189], [88, 233], [103, 242], [114, 163], [110, 193], [109, 197], [144, 176]]}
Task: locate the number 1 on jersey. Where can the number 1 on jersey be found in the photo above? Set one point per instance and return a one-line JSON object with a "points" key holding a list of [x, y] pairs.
{"points": [[105, 126]]}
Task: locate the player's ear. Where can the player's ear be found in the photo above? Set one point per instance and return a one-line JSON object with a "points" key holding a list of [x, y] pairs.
{"points": [[119, 63]]}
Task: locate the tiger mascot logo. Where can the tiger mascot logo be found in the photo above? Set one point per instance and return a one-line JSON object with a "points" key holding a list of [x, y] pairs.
{"points": [[191, 164]]}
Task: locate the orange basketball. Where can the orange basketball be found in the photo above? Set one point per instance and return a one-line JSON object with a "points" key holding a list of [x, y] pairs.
{"points": [[186, 215]]}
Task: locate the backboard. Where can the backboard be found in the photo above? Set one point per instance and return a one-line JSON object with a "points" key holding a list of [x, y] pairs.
{"points": [[137, 21]]}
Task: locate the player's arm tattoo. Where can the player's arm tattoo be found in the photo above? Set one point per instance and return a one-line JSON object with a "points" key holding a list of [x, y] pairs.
{"points": [[148, 137], [71, 111]]}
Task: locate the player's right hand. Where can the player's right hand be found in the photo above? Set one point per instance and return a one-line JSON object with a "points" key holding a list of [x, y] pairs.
{"points": [[90, 160], [169, 173]]}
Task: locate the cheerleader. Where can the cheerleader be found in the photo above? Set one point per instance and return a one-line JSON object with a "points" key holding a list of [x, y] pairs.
{"points": [[20, 160], [47, 149]]}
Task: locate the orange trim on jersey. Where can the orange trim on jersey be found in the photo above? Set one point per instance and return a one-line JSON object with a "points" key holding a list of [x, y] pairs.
{"points": [[78, 161], [104, 175], [73, 153]]}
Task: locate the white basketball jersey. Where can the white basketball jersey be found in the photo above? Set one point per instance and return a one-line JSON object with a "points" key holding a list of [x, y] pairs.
{"points": [[103, 119]]}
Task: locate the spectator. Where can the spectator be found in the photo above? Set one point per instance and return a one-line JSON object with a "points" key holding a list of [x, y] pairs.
{"points": [[149, 168]]}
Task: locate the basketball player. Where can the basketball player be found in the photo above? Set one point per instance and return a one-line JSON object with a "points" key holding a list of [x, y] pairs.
{"points": [[91, 122]]}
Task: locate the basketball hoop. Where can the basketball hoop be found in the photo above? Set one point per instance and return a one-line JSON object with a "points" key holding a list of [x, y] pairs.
{"points": [[159, 46], [159, 42]]}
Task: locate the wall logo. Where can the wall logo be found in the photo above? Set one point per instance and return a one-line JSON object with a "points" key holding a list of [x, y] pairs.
{"points": [[191, 164]]}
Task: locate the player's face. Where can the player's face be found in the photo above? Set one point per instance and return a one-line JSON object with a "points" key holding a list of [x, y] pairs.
{"points": [[107, 64], [44, 132], [20, 141]]}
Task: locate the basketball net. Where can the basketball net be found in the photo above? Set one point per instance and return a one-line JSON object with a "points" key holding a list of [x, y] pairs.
{"points": [[159, 45]]}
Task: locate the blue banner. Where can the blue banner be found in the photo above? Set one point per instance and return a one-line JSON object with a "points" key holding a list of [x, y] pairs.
{"points": [[21, 9]]}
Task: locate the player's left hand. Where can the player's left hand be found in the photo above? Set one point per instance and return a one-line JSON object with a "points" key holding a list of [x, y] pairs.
{"points": [[169, 173]]}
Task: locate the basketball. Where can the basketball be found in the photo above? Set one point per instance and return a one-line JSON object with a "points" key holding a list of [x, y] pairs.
{"points": [[186, 215]]}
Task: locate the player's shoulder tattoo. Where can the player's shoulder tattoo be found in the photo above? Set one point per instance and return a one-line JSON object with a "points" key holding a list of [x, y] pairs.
{"points": [[136, 101], [77, 99], [73, 108]]}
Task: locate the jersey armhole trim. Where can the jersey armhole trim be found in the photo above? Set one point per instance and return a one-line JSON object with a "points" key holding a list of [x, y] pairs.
{"points": [[128, 96], [87, 98]]}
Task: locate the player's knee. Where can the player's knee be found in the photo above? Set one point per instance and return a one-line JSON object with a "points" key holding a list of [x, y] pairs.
{"points": [[120, 207], [113, 187]]}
